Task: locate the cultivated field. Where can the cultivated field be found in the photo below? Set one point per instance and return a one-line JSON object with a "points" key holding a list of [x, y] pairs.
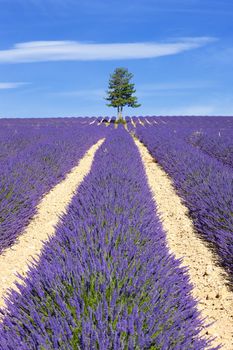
{"points": [[116, 236]]}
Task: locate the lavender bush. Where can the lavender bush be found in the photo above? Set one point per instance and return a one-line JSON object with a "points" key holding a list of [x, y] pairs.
{"points": [[36, 155], [106, 280], [204, 183]]}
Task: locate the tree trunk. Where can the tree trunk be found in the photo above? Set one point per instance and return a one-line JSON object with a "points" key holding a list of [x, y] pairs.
{"points": [[119, 112]]}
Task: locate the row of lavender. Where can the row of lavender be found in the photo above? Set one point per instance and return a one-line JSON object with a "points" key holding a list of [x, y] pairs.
{"points": [[204, 182], [106, 280], [34, 156], [216, 140], [213, 135]]}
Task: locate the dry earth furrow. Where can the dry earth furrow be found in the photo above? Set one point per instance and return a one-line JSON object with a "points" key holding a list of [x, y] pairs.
{"points": [[209, 284], [42, 226], [134, 125]]}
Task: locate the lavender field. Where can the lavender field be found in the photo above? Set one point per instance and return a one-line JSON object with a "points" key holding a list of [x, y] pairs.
{"points": [[198, 155], [107, 279]]}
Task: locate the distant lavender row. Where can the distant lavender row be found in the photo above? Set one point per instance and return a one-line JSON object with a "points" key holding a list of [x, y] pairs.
{"points": [[213, 135], [215, 138], [204, 183], [18, 134], [219, 147], [36, 155], [106, 280]]}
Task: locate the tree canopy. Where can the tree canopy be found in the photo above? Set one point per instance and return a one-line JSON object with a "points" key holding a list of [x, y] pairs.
{"points": [[120, 91]]}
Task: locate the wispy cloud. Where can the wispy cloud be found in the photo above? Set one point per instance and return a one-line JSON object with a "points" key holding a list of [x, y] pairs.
{"points": [[42, 51], [7, 86]]}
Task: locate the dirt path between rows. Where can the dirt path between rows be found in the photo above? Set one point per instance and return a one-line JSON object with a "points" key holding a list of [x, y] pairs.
{"points": [[210, 288], [42, 226]]}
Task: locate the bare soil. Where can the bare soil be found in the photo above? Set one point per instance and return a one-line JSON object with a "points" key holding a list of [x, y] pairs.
{"points": [[209, 280], [42, 226]]}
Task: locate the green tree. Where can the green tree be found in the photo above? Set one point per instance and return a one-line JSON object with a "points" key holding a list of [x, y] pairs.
{"points": [[120, 91]]}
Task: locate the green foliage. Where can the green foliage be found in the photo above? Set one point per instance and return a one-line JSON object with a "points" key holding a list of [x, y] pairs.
{"points": [[120, 91]]}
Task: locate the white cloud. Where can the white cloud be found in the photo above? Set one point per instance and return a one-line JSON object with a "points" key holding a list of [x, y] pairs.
{"points": [[41, 51], [7, 86]]}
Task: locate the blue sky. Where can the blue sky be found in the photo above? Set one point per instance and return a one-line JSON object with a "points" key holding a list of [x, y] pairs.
{"points": [[56, 56]]}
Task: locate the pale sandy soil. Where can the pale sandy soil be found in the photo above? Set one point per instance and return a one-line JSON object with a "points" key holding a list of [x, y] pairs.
{"points": [[148, 121], [134, 125], [215, 300], [42, 226], [100, 122], [141, 122], [126, 127], [92, 122], [210, 286]]}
